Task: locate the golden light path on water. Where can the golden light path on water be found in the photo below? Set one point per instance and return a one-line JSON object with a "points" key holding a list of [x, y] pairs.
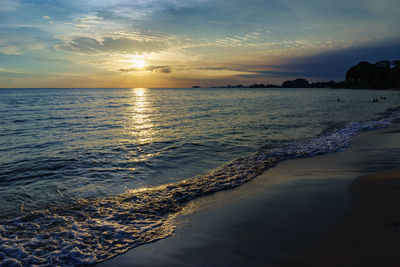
{"points": [[140, 126]]}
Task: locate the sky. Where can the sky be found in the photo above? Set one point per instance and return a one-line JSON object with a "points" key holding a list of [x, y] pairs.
{"points": [[180, 43]]}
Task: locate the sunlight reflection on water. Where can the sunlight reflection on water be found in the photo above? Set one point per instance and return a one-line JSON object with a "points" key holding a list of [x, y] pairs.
{"points": [[139, 121], [140, 125]]}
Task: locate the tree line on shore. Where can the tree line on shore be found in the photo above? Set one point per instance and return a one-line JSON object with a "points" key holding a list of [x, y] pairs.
{"points": [[381, 75], [384, 74]]}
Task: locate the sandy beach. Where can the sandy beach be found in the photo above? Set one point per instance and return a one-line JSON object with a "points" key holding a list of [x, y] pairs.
{"points": [[369, 232], [330, 210]]}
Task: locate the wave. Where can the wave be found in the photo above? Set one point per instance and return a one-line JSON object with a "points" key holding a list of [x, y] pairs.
{"points": [[92, 230]]}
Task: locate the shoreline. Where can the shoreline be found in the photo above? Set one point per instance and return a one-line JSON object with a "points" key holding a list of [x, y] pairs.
{"points": [[276, 218]]}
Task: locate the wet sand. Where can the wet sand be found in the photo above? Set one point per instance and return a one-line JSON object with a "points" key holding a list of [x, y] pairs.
{"points": [[304, 212], [369, 232]]}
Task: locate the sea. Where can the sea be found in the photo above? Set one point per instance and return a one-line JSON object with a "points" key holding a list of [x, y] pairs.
{"points": [[86, 174]]}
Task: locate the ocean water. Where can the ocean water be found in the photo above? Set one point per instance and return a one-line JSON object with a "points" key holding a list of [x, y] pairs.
{"points": [[86, 174]]}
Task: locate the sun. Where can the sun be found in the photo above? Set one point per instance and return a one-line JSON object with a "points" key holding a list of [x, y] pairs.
{"points": [[139, 63]]}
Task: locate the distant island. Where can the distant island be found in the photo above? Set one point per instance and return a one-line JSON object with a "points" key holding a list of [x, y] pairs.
{"points": [[384, 74]]}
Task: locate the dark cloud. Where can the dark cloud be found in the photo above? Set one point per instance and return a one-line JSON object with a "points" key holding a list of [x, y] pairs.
{"points": [[129, 70], [253, 72], [275, 74], [331, 65], [216, 68], [86, 45], [159, 69], [163, 70], [334, 64]]}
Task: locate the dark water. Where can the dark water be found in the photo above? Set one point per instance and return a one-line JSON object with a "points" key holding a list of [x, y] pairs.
{"points": [[111, 164]]}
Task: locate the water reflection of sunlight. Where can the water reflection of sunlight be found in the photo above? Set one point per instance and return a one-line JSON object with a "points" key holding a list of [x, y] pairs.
{"points": [[140, 91], [140, 124]]}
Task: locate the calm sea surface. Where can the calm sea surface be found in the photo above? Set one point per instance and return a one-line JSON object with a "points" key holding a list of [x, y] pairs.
{"points": [[61, 149]]}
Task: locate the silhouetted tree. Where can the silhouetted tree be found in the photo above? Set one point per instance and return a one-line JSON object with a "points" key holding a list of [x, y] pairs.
{"points": [[368, 76], [298, 83], [257, 85], [396, 72], [396, 63], [383, 63]]}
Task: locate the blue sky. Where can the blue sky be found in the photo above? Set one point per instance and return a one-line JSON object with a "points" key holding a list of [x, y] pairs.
{"points": [[176, 43]]}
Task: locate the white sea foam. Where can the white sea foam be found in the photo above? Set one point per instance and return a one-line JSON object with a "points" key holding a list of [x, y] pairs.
{"points": [[93, 230]]}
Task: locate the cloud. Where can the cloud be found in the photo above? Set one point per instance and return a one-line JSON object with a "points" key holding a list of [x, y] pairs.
{"points": [[21, 40], [48, 18], [4, 73], [327, 65], [21, 79], [9, 5], [10, 50], [276, 74], [7, 74], [333, 64], [159, 69], [122, 45]]}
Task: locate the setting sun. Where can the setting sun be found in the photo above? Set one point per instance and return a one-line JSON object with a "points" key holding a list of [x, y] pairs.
{"points": [[139, 63]]}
